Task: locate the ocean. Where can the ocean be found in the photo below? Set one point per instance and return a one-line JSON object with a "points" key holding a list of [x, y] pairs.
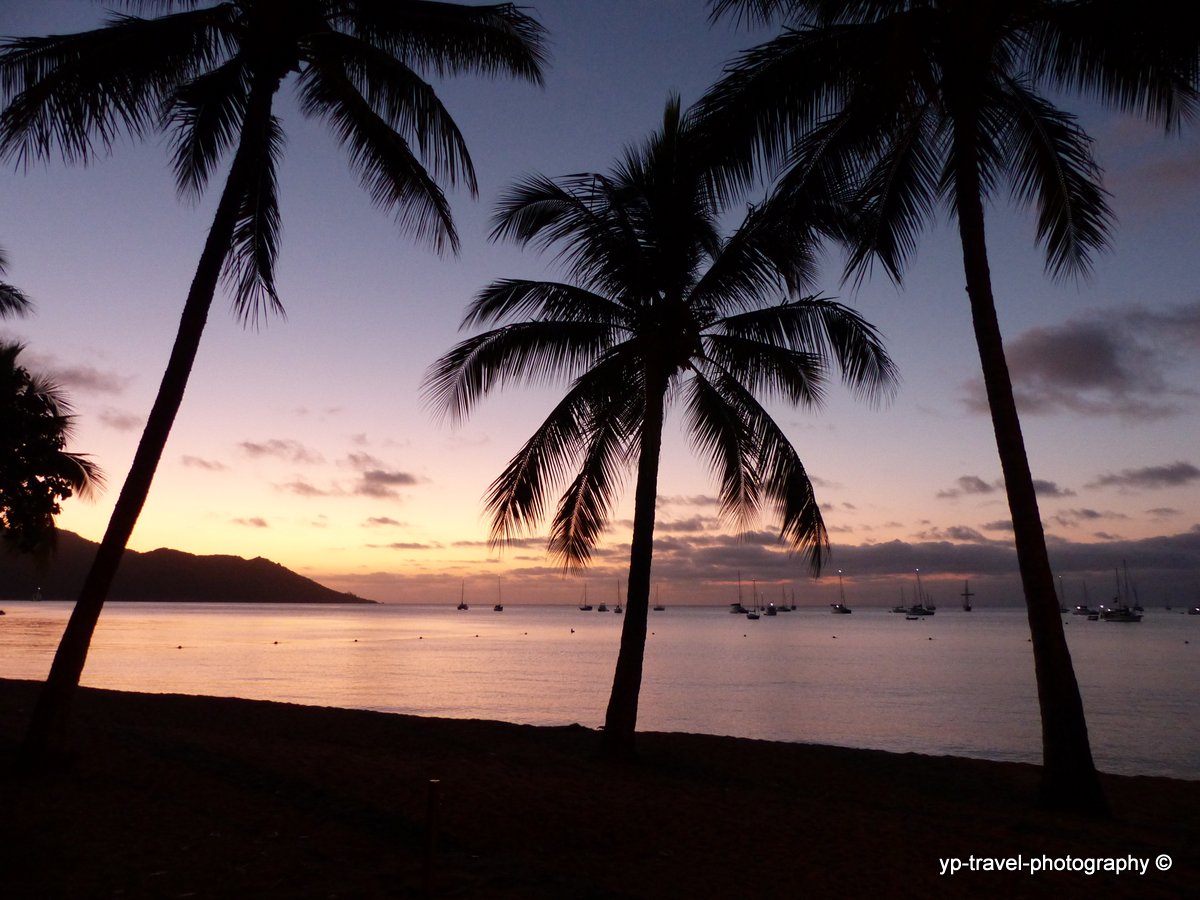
{"points": [[955, 683]]}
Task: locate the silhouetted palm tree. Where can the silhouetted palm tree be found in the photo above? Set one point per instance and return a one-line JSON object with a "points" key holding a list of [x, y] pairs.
{"points": [[660, 309], [921, 104], [13, 301], [209, 74], [36, 471]]}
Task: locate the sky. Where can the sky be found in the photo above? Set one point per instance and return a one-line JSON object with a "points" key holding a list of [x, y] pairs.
{"points": [[305, 439]]}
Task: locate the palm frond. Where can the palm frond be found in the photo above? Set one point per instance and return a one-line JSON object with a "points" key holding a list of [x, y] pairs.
{"points": [[1051, 164], [517, 497], [781, 475], [13, 301], [206, 115], [79, 93], [720, 433], [451, 38], [545, 300], [586, 505], [1138, 57], [526, 352], [826, 330], [250, 263], [401, 98], [388, 169]]}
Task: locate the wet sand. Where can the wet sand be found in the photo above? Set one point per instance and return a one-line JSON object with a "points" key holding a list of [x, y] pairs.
{"points": [[172, 796]]}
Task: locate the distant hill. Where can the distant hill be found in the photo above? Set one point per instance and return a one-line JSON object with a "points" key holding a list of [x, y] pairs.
{"points": [[164, 575]]}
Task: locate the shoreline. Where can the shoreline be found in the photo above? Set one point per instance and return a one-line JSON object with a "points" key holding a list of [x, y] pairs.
{"points": [[171, 795]]}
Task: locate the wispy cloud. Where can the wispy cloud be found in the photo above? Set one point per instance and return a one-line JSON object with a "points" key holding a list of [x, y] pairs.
{"points": [[382, 521], [196, 462], [118, 420], [1174, 474], [968, 484], [289, 450], [253, 522]]}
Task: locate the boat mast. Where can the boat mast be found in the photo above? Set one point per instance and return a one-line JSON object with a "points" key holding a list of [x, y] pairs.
{"points": [[967, 595]]}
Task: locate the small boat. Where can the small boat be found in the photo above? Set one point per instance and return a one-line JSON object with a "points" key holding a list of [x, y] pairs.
{"points": [[770, 609], [840, 608], [1122, 611], [585, 606], [658, 607], [617, 609], [1194, 611], [967, 595], [1119, 614], [753, 614], [737, 608], [462, 597]]}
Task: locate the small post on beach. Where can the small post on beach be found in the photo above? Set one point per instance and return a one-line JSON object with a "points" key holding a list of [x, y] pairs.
{"points": [[433, 800]]}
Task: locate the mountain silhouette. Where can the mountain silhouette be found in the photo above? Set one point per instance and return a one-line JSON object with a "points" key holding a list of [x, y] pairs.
{"points": [[163, 575]]}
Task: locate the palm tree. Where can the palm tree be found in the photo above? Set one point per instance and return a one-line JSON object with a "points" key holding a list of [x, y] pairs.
{"points": [[13, 301], [36, 471], [209, 74], [920, 103], [660, 309]]}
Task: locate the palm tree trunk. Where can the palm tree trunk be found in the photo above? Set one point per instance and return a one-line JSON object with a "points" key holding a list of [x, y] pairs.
{"points": [[1069, 780], [620, 720], [46, 739]]}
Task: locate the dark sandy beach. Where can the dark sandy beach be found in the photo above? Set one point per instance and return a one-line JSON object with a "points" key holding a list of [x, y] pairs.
{"points": [[171, 796]]}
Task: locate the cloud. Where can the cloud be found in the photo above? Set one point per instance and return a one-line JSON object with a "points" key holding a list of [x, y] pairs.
{"points": [[380, 521], [999, 525], [404, 546], [195, 462], [968, 484], [292, 451], [1126, 362], [1070, 518], [80, 379], [303, 489], [120, 421], [1050, 489], [381, 483], [959, 533], [253, 522], [1173, 475]]}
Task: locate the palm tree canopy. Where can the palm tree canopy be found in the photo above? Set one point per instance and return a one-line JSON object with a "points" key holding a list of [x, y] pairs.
{"points": [[36, 471], [13, 301], [361, 65], [877, 89], [658, 302]]}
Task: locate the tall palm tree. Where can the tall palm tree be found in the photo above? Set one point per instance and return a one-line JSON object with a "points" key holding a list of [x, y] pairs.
{"points": [[918, 103], [13, 301], [660, 308], [37, 472], [209, 75]]}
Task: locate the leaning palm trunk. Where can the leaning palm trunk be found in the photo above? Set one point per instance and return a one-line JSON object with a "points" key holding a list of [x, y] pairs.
{"points": [[47, 734], [620, 720], [1069, 779]]}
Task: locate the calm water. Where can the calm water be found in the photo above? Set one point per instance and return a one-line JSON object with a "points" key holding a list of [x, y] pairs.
{"points": [[954, 683]]}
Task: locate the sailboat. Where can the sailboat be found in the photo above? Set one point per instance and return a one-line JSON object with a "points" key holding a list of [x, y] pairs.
{"points": [[499, 607], [585, 606], [967, 595], [1122, 612], [840, 608], [462, 597], [920, 608], [753, 613], [736, 608], [658, 607], [617, 609]]}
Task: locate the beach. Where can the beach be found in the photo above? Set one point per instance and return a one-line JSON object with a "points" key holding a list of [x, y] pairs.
{"points": [[180, 796]]}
